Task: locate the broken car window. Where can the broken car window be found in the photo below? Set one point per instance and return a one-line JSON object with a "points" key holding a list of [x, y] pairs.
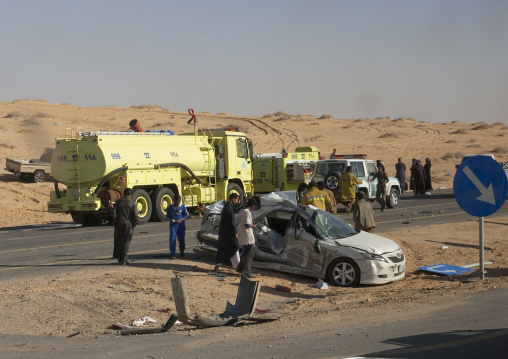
{"points": [[331, 226]]}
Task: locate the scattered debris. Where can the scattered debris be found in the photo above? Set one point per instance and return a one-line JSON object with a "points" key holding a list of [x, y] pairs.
{"points": [[444, 247], [321, 285], [283, 288], [141, 321], [169, 324], [244, 307], [120, 326]]}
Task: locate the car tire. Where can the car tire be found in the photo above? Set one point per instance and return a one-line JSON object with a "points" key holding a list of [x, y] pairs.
{"points": [[332, 180], [161, 198], [143, 205], [38, 176], [78, 218], [344, 272], [393, 198], [234, 188]]}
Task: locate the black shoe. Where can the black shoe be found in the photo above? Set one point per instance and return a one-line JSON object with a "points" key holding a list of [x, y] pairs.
{"points": [[171, 257], [182, 254], [125, 263]]}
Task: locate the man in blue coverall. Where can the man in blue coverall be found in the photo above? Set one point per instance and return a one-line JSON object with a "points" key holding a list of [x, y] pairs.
{"points": [[177, 213]]}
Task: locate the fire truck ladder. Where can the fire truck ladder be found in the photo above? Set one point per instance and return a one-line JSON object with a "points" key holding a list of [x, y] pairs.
{"points": [[209, 167], [72, 160], [277, 173]]}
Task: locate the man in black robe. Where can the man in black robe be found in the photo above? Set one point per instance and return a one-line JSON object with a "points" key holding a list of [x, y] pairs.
{"points": [[418, 174], [400, 167], [228, 246], [125, 218], [428, 181]]}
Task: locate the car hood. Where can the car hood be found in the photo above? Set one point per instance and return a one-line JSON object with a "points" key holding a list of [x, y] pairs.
{"points": [[369, 242]]}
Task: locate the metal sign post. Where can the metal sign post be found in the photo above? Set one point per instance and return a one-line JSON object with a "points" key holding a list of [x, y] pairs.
{"points": [[480, 187], [482, 247]]}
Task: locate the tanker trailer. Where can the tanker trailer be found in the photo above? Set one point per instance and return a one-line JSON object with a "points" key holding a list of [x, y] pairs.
{"points": [[205, 166]]}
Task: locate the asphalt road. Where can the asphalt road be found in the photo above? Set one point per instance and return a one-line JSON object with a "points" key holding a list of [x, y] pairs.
{"points": [[466, 329], [63, 247]]}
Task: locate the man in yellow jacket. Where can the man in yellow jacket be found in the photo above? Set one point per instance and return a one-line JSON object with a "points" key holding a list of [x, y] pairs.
{"points": [[347, 184], [317, 198]]}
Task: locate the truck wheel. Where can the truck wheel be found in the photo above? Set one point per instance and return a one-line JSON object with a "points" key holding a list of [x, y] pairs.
{"points": [[393, 199], [143, 205], [161, 198], [234, 188], [38, 176], [78, 218], [332, 180], [92, 220]]}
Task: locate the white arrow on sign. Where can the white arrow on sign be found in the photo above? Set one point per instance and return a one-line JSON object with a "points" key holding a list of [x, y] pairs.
{"points": [[434, 268], [487, 194]]}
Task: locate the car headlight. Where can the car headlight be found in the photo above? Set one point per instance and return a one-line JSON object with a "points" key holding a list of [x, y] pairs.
{"points": [[373, 257]]}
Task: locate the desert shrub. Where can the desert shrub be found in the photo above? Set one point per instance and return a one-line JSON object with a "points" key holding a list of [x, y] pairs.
{"points": [[499, 149], [267, 115], [460, 131], [42, 115], [31, 121], [452, 155], [280, 113], [481, 126], [454, 122], [388, 134], [325, 117], [6, 145], [14, 114], [149, 107]]}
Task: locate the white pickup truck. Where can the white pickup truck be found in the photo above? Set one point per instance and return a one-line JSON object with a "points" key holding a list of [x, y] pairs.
{"points": [[330, 171], [35, 170], [504, 165]]}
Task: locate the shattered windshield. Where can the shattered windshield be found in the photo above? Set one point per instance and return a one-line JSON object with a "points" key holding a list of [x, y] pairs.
{"points": [[331, 226]]}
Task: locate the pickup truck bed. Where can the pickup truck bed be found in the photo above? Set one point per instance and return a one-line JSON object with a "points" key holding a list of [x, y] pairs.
{"points": [[29, 169]]}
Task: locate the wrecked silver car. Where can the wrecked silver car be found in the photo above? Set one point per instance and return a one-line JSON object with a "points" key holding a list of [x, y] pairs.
{"points": [[308, 241]]}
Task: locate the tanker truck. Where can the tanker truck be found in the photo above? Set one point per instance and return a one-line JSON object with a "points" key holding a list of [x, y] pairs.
{"points": [[205, 166]]}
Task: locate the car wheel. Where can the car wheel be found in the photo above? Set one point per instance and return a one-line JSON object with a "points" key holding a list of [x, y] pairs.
{"points": [[332, 180], [393, 199], [234, 188], [161, 198], [344, 272], [38, 176], [143, 205]]}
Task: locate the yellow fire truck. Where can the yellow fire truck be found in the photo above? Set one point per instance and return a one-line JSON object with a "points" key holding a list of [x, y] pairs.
{"points": [[284, 171], [205, 166]]}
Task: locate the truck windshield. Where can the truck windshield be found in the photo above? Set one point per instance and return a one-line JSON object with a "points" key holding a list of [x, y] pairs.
{"points": [[331, 226]]}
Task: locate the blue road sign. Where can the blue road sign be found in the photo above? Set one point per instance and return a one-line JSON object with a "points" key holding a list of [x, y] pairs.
{"points": [[480, 186], [445, 269]]}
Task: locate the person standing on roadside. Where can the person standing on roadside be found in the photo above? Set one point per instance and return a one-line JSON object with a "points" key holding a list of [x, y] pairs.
{"points": [[347, 184], [317, 198], [124, 217], [228, 234], [177, 214], [363, 214], [400, 167], [382, 180], [418, 175], [321, 187], [246, 238], [426, 168], [332, 155]]}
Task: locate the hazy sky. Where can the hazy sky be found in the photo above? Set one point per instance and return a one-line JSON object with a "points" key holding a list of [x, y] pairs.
{"points": [[435, 61]]}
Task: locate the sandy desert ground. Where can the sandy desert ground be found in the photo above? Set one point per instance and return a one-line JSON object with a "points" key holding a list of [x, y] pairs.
{"points": [[89, 301]]}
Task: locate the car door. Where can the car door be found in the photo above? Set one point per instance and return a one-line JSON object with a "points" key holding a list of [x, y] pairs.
{"points": [[301, 246], [371, 171]]}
